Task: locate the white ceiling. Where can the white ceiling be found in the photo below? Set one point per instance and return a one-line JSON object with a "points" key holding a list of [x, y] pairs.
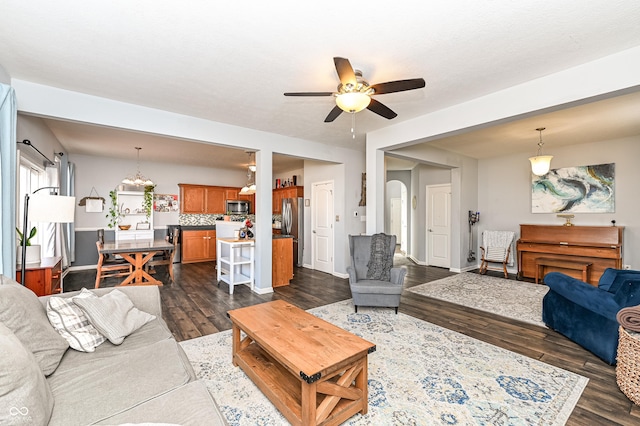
{"points": [[231, 62]]}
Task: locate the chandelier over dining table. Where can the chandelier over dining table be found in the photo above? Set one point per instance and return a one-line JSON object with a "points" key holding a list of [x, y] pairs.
{"points": [[138, 179]]}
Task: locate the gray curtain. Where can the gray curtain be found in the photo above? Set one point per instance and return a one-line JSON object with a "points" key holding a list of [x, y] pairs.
{"points": [[70, 233], [8, 116]]}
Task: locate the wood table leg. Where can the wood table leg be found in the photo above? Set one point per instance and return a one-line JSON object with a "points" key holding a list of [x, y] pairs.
{"points": [[235, 330], [309, 394], [362, 384], [138, 275]]}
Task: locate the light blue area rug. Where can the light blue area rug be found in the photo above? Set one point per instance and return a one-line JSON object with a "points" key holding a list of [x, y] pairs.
{"points": [[420, 374], [508, 298]]}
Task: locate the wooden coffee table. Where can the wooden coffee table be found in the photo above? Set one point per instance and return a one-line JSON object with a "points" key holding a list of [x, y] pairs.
{"points": [[314, 372]]}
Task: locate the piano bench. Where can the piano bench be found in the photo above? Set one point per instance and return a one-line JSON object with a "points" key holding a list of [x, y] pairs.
{"points": [[578, 265]]}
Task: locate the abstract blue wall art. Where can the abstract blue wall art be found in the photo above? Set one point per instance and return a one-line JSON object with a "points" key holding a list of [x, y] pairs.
{"points": [[582, 189]]}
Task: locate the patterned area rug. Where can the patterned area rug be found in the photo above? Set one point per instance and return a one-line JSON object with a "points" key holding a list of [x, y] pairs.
{"points": [[421, 374], [508, 298]]}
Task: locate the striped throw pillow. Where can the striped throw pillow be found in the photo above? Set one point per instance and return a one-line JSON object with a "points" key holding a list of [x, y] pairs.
{"points": [[72, 324]]}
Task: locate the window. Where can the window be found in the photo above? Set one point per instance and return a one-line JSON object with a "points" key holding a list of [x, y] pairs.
{"points": [[30, 178]]}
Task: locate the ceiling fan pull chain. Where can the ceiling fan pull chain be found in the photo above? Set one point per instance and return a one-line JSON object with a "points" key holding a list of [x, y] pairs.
{"points": [[353, 125]]}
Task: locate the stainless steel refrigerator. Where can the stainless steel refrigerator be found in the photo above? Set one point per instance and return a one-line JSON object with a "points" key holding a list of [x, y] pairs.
{"points": [[293, 224]]}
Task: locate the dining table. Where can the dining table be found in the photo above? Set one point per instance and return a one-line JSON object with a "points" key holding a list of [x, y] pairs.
{"points": [[138, 253]]}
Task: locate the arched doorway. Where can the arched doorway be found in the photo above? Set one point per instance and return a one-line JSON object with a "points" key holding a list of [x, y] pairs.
{"points": [[396, 214]]}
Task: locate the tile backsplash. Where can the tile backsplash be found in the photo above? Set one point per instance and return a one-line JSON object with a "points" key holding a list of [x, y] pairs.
{"points": [[210, 219]]}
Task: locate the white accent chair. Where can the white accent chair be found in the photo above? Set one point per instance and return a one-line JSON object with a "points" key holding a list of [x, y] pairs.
{"points": [[496, 248]]}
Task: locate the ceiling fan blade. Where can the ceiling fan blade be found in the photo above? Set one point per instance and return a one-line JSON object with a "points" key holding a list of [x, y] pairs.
{"points": [[335, 112], [345, 71], [398, 86], [308, 94], [381, 109]]}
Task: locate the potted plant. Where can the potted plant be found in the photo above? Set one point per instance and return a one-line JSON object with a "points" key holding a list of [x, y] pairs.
{"points": [[115, 213], [33, 250], [148, 200]]}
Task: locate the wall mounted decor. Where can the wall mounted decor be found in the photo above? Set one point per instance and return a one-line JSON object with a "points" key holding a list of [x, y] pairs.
{"points": [[165, 203], [581, 189]]}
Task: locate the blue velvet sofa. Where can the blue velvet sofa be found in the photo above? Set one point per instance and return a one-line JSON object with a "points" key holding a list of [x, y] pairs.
{"points": [[587, 314]]}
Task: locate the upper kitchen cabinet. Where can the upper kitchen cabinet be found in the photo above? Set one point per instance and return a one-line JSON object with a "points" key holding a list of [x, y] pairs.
{"points": [[216, 200], [202, 199], [289, 192]]}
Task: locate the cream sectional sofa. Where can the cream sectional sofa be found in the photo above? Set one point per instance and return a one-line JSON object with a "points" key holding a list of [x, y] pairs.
{"points": [[145, 379]]}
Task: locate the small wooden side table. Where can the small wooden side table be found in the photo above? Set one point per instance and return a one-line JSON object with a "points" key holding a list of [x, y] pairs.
{"points": [[44, 278]]}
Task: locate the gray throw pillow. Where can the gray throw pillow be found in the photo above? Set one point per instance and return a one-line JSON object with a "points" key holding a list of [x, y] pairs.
{"points": [[25, 396], [72, 324], [25, 316], [113, 315]]}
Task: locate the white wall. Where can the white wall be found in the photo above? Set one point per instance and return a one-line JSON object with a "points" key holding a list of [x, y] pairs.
{"points": [[4, 76], [504, 190], [346, 186], [34, 129], [283, 176]]}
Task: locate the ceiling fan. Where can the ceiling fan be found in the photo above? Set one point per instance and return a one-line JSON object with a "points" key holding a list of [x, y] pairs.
{"points": [[354, 93]]}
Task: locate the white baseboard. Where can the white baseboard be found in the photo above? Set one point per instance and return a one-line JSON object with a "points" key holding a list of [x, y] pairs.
{"points": [[416, 261], [263, 290]]}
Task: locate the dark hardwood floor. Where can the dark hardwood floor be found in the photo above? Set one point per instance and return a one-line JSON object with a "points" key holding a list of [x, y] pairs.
{"points": [[194, 306]]}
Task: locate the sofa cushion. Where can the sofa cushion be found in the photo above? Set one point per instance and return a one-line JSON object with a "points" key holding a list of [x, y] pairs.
{"points": [[612, 279], [113, 315], [72, 324], [197, 407], [25, 316], [97, 387], [25, 397]]}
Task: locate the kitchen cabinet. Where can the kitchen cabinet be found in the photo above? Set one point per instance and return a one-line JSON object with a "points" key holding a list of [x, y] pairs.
{"points": [[44, 278], [131, 206], [288, 192], [208, 199], [198, 246], [282, 261], [216, 200], [202, 199]]}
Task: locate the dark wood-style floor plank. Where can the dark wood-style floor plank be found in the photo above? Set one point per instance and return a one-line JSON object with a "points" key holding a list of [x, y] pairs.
{"points": [[195, 306]]}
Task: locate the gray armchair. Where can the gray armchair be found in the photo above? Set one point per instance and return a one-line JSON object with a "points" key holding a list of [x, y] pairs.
{"points": [[373, 292]]}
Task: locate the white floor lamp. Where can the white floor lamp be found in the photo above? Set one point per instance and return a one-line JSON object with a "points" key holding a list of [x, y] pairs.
{"points": [[44, 208]]}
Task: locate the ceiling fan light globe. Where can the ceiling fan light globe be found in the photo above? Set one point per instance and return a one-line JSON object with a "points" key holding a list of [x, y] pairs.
{"points": [[352, 102], [540, 164]]}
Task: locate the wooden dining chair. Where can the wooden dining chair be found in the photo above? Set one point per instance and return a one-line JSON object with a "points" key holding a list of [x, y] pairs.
{"points": [[109, 266], [167, 257]]}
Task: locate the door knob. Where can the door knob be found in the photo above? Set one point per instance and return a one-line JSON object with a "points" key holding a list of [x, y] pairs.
{"points": [[430, 230]]}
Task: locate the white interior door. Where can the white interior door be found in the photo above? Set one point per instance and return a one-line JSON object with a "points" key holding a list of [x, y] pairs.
{"points": [[396, 219], [439, 225], [322, 226]]}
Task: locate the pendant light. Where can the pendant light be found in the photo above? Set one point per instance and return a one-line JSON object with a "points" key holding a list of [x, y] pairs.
{"points": [[250, 187], [138, 179], [540, 164]]}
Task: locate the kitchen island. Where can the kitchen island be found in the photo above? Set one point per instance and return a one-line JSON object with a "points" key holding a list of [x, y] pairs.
{"points": [[235, 263]]}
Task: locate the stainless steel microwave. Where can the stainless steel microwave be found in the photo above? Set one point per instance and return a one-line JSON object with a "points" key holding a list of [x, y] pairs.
{"points": [[238, 206]]}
